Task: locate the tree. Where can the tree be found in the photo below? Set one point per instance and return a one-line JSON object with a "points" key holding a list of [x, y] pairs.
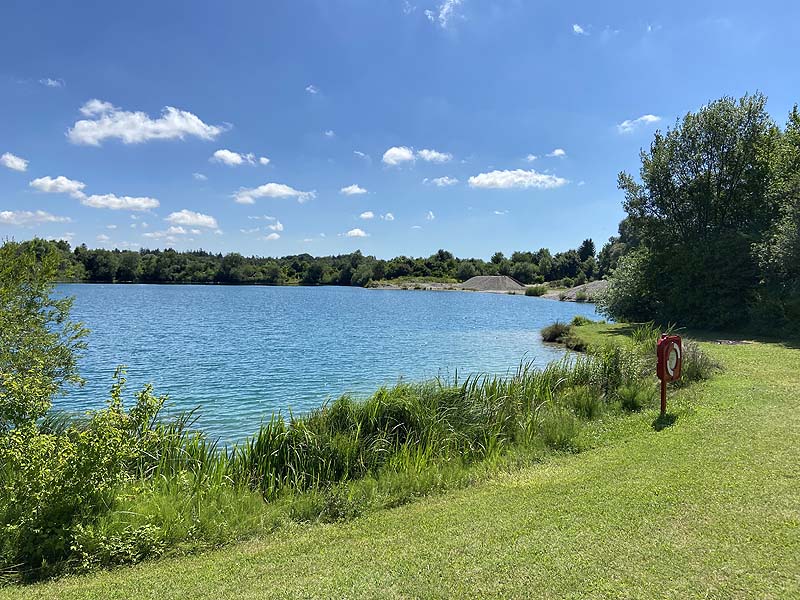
{"points": [[39, 344], [702, 201], [586, 249], [466, 270]]}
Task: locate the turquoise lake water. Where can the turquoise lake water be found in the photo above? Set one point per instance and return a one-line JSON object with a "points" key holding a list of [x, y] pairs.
{"points": [[242, 353]]}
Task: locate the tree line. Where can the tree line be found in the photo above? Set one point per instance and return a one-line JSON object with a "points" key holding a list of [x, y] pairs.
{"points": [[81, 264], [712, 232]]}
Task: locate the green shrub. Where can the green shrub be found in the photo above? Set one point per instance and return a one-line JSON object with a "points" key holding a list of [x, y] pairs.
{"points": [[567, 282], [574, 342], [585, 401], [559, 428], [555, 332], [581, 297], [535, 290], [634, 396], [580, 320], [697, 365]]}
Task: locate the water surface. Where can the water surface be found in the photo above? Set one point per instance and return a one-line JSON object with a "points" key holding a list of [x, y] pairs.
{"points": [[244, 352]]}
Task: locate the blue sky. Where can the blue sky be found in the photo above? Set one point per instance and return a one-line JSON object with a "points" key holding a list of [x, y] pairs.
{"points": [[394, 127]]}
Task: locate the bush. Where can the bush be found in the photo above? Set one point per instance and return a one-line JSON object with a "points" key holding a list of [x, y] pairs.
{"points": [[574, 342], [555, 332], [581, 297], [567, 282], [535, 290], [580, 320], [559, 428], [634, 396], [697, 365], [585, 402]]}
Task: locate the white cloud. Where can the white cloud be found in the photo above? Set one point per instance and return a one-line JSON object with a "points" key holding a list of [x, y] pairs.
{"points": [[13, 162], [312, 89], [416, 227], [276, 226], [518, 178], [531, 157], [103, 238], [434, 156], [200, 177], [115, 202], [443, 13], [59, 185], [107, 121], [272, 236], [272, 190], [388, 217], [430, 216], [501, 212], [397, 155], [367, 214], [330, 133], [192, 219], [261, 218], [53, 83], [234, 159], [444, 181], [26, 217], [169, 234], [263, 160], [111, 226], [629, 125], [557, 153], [578, 30], [251, 230], [356, 233], [352, 190], [360, 154]]}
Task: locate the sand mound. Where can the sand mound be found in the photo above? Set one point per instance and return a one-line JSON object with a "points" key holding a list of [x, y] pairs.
{"points": [[493, 283]]}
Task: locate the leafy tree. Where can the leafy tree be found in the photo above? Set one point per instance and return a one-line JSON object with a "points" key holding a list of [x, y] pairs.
{"points": [[39, 345], [586, 250]]}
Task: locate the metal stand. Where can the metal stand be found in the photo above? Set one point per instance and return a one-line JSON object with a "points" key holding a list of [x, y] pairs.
{"points": [[663, 397]]}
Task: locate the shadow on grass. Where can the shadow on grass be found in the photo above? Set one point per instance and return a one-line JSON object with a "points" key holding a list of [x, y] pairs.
{"points": [[664, 421]]}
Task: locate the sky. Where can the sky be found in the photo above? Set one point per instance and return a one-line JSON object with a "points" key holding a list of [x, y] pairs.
{"points": [[394, 127]]}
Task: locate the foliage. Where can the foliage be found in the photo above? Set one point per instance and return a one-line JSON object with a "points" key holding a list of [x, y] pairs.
{"points": [[535, 290], [39, 345], [555, 332]]}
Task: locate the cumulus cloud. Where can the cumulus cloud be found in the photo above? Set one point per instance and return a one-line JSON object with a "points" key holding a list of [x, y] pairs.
{"points": [[434, 156], [192, 219], [59, 185], [501, 212], [356, 233], [444, 181], [578, 30], [103, 238], [199, 177], [53, 83], [398, 155], [557, 153], [312, 89], [234, 159], [628, 125], [13, 162], [271, 190], [367, 214], [360, 154], [518, 178], [531, 157], [272, 236], [443, 13], [27, 217], [114, 202], [106, 121], [430, 216], [388, 217], [352, 190], [276, 226], [170, 234], [330, 133]]}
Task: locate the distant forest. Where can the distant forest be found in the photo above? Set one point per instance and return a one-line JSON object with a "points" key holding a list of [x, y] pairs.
{"points": [[83, 264]]}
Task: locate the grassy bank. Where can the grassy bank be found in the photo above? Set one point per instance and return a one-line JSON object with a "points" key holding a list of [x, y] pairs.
{"points": [[125, 486], [642, 513]]}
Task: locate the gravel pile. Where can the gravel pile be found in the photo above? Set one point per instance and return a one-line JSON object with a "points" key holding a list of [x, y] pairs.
{"points": [[493, 283]]}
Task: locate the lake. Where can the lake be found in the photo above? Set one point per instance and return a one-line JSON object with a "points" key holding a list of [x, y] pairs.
{"points": [[242, 353]]}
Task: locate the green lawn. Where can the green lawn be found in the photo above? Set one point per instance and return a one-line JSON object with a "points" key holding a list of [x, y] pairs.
{"points": [[709, 507]]}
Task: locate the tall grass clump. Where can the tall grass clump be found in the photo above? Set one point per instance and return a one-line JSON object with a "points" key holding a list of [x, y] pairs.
{"points": [[535, 290], [555, 332]]}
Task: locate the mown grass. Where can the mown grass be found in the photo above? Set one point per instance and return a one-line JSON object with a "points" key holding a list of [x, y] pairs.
{"points": [[705, 508]]}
